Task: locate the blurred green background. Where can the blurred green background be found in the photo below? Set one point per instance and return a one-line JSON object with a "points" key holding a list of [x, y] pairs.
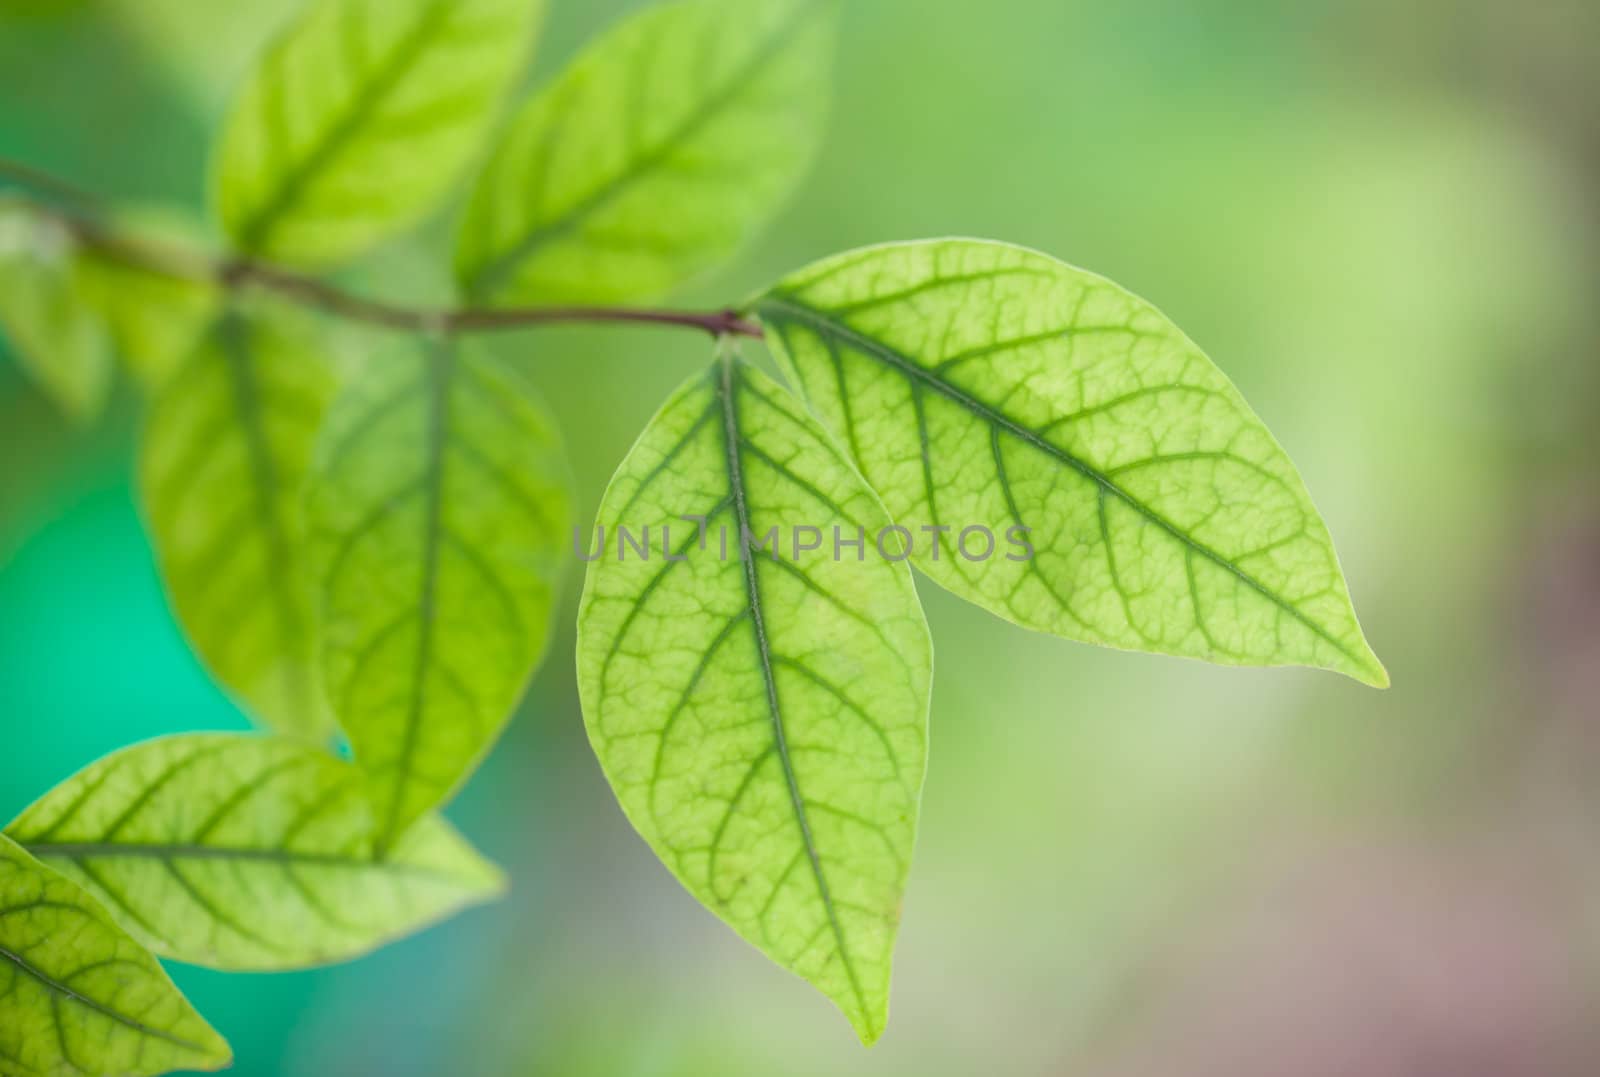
{"points": [[1382, 219]]}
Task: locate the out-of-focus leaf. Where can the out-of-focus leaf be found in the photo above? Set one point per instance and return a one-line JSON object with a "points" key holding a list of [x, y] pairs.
{"points": [[222, 466], [58, 338], [653, 156], [154, 318], [247, 853], [439, 509], [359, 118], [762, 712], [979, 385], [77, 995]]}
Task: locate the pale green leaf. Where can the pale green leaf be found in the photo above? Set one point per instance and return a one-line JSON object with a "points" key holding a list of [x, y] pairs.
{"points": [[222, 465], [439, 509], [57, 338], [360, 117], [154, 318], [653, 156], [979, 385], [247, 853], [762, 719], [77, 995]]}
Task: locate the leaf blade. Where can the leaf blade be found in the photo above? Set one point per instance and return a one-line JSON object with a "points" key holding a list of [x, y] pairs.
{"points": [[569, 209], [80, 996], [58, 339], [438, 503], [222, 459], [154, 319], [360, 117], [247, 853], [762, 721], [1165, 517]]}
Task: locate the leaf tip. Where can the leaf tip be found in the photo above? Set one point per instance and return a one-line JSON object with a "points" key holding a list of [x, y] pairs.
{"points": [[222, 1057], [495, 883], [215, 1052], [869, 1024], [1368, 669]]}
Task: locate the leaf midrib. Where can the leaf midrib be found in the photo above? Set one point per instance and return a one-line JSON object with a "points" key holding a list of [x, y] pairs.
{"points": [[790, 307], [441, 372], [62, 990], [240, 357], [493, 276], [257, 229], [95, 850], [732, 442]]}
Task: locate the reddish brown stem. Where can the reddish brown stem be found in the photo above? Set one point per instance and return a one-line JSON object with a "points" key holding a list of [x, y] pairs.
{"points": [[234, 273]]}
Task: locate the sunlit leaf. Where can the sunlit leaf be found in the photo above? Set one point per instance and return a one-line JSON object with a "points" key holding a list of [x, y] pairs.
{"points": [[58, 339], [439, 509], [979, 385], [360, 117], [654, 155], [226, 447], [77, 995], [762, 719], [245, 852], [154, 318]]}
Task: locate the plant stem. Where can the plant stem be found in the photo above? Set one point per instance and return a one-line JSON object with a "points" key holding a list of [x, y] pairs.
{"points": [[232, 273]]}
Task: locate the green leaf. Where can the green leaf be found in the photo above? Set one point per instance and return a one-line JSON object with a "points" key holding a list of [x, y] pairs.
{"points": [[439, 507], [77, 995], [360, 117], [222, 466], [247, 853], [980, 385], [154, 319], [653, 156], [57, 338], [762, 719]]}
